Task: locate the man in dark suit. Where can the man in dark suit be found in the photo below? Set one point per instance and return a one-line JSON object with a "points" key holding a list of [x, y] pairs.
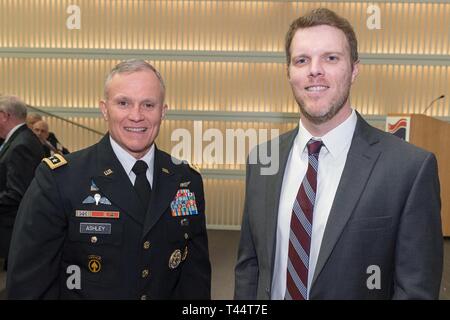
{"points": [[20, 154], [118, 220], [40, 129], [51, 143], [353, 213]]}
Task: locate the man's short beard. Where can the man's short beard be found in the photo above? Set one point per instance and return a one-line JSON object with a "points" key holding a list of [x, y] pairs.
{"points": [[336, 106]]}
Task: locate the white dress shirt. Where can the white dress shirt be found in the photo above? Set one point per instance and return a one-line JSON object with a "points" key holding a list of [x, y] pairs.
{"points": [[332, 159], [127, 161]]}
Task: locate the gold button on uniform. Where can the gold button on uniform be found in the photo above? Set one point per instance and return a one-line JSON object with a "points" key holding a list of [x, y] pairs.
{"points": [[93, 239], [145, 273], [144, 297], [146, 245], [186, 236]]}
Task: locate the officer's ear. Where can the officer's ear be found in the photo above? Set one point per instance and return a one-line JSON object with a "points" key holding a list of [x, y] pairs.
{"points": [[164, 111], [103, 109]]}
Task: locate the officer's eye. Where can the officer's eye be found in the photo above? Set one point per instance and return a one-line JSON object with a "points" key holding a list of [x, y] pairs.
{"points": [[149, 105], [122, 103]]}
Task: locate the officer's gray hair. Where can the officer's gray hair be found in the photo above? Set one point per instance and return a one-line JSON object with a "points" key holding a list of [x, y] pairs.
{"points": [[131, 66], [13, 106]]}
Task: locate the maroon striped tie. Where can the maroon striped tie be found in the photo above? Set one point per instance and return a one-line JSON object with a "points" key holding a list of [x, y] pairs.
{"points": [[301, 228]]}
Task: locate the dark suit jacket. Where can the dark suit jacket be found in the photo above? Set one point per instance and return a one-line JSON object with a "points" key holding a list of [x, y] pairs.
{"points": [[386, 213], [19, 158], [151, 254], [55, 143]]}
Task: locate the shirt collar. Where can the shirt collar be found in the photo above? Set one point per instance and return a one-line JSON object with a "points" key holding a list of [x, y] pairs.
{"points": [[11, 132], [335, 141], [128, 161]]}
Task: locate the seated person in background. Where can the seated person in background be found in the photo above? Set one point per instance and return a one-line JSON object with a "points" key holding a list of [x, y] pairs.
{"points": [[32, 119], [40, 129]]}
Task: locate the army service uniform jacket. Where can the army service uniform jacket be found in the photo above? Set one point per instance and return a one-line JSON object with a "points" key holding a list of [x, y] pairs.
{"points": [[82, 214]]}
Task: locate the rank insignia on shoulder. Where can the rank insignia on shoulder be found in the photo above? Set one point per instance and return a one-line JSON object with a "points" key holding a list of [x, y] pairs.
{"points": [[55, 161]]}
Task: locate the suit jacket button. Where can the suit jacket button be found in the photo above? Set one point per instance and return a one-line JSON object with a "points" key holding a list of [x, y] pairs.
{"points": [[146, 245], [186, 236], [145, 273]]}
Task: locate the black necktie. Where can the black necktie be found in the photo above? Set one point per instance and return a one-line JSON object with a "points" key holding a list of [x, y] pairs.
{"points": [[141, 185]]}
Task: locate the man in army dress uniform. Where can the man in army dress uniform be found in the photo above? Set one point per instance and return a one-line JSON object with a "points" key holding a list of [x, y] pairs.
{"points": [[121, 214]]}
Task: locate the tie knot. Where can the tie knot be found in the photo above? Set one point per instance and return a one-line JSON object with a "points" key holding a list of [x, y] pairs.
{"points": [[140, 167], [314, 146]]}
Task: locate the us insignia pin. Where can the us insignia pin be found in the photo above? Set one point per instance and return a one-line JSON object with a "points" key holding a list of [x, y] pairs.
{"points": [[94, 263], [107, 172], [175, 259]]}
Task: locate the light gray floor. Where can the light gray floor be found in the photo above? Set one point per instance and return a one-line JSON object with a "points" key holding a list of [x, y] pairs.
{"points": [[223, 250]]}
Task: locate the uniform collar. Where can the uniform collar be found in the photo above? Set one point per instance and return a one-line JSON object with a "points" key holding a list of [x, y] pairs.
{"points": [[127, 160]]}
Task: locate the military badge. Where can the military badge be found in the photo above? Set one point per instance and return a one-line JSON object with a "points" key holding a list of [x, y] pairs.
{"points": [[184, 203], [97, 198], [55, 161], [97, 214], [94, 263], [107, 172], [175, 259]]}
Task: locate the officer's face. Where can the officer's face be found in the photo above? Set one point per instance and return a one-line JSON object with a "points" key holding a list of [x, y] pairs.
{"points": [[134, 110]]}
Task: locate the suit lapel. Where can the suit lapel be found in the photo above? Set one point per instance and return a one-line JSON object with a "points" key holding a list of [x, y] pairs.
{"points": [[113, 182], [273, 192], [11, 139], [165, 185], [361, 159]]}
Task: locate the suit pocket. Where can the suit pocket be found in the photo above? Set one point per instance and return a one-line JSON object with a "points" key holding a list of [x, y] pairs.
{"points": [[370, 224]]}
